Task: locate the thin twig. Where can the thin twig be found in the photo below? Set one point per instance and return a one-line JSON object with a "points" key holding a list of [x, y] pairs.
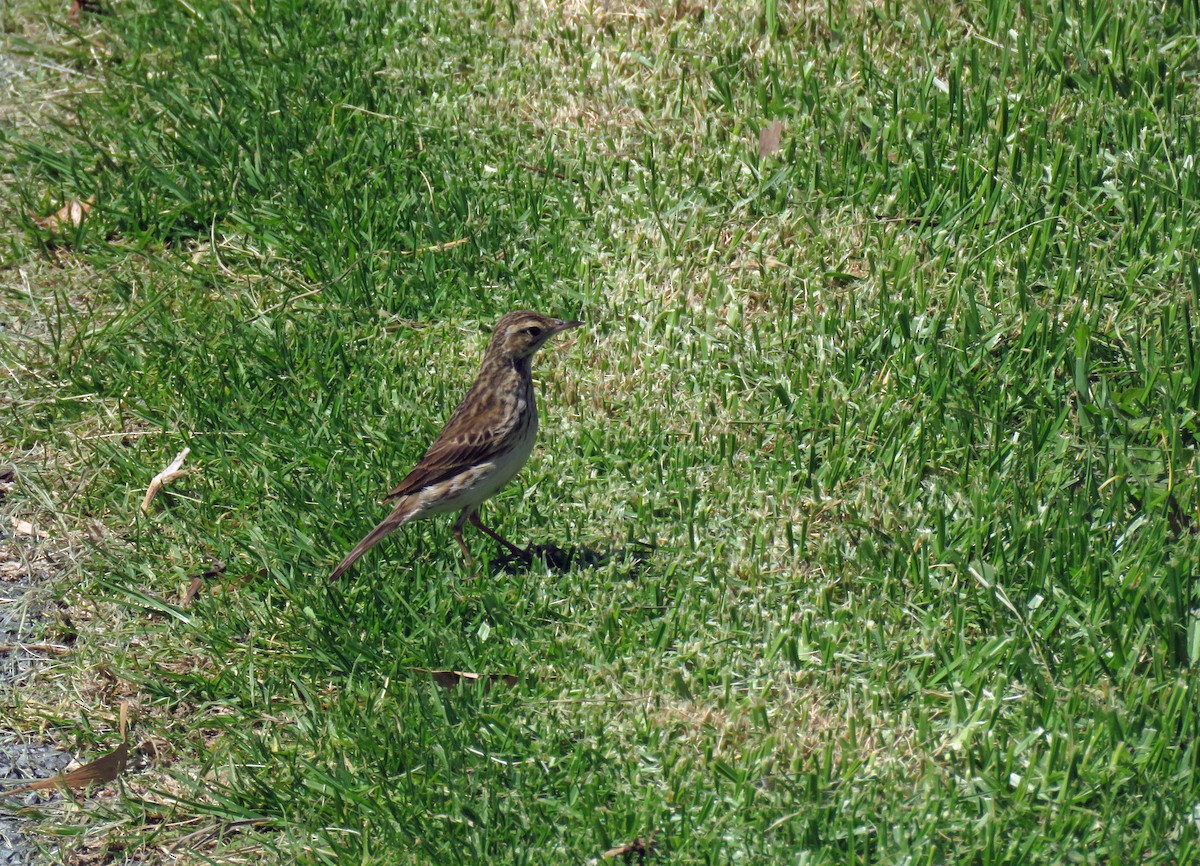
{"points": [[57, 649], [540, 170]]}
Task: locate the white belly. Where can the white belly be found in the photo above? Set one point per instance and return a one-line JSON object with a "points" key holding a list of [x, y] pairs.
{"points": [[483, 481]]}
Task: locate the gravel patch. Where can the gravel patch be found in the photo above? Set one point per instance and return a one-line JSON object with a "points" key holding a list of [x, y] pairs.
{"points": [[23, 607], [11, 75], [8, 70]]}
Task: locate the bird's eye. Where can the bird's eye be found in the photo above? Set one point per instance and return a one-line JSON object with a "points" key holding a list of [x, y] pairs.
{"points": [[534, 331]]}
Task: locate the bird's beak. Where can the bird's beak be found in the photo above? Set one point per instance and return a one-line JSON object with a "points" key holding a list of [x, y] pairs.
{"points": [[563, 325]]}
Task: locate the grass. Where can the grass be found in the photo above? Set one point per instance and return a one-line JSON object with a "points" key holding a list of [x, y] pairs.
{"points": [[879, 449]]}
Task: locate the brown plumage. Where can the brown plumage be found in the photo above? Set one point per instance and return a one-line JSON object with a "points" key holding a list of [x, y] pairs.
{"points": [[484, 444]]}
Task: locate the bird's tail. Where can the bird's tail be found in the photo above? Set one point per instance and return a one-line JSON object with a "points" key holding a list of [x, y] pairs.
{"points": [[404, 511]]}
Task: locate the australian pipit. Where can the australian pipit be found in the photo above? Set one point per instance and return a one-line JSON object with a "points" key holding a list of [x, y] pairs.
{"points": [[484, 444]]}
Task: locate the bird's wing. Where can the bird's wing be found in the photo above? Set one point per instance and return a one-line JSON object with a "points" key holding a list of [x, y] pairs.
{"points": [[463, 443]]}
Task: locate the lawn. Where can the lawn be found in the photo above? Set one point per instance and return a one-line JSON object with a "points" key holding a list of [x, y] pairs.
{"points": [[873, 468]]}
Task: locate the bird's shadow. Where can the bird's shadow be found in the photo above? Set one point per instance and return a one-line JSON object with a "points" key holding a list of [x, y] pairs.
{"points": [[560, 560]]}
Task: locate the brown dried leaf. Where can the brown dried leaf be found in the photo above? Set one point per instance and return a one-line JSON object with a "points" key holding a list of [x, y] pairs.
{"points": [[189, 595], [450, 679], [92, 7], [769, 137], [639, 846], [69, 216], [103, 769], [165, 477], [24, 527]]}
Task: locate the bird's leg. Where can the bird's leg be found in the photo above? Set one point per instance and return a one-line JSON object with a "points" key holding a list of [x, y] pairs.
{"points": [[467, 513], [516, 551]]}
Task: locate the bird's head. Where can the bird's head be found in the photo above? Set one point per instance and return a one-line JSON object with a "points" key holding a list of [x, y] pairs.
{"points": [[520, 334]]}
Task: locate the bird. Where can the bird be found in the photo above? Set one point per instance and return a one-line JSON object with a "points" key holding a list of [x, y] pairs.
{"points": [[484, 444]]}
